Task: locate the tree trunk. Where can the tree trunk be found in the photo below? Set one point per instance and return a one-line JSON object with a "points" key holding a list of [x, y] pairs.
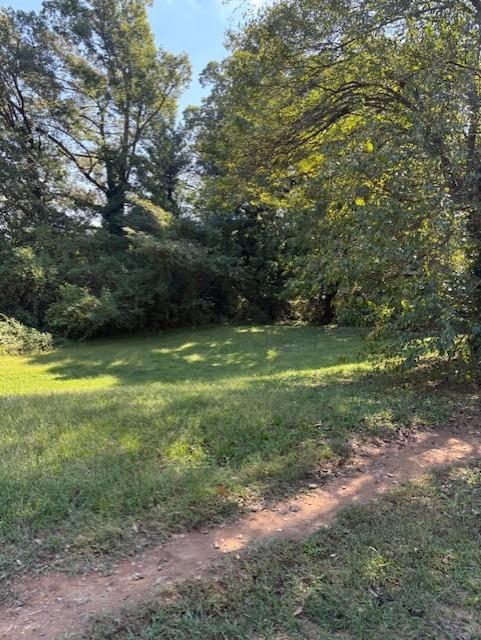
{"points": [[474, 179], [114, 210]]}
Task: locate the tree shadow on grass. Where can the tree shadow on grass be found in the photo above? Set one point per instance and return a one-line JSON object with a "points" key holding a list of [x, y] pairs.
{"points": [[90, 464], [204, 355]]}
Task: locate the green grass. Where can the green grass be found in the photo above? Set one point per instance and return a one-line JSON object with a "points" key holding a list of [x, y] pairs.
{"points": [[100, 436], [405, 568]]}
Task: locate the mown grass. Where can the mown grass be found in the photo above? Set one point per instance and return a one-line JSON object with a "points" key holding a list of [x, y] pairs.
{"points": [[110, 444], [405, 568]]}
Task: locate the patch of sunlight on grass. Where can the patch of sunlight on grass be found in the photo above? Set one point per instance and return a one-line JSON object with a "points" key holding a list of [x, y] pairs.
{"points": [[184, 347], [41, 378], [195, 357], [376, 567], [184, 451], [129, 443]]}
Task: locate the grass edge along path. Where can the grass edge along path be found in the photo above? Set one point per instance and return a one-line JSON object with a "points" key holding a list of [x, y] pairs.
{"points": [[406, 567]]}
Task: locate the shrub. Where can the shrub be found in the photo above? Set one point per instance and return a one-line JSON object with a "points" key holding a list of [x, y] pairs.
{"points": [[81, 314], [16, 337]]}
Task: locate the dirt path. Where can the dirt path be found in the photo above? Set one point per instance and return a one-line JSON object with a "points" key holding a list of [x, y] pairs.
{"points": [[57, 604]]}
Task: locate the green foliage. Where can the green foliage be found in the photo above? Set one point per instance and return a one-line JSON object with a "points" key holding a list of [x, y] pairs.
{"points": [[360, 125], [166, 282], [108, 150], [251, 239], [26, 284], [80, 314], [331, 174], [16, 338], [121, 100]]}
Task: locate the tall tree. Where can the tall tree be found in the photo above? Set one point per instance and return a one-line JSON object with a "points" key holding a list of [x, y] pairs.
{"points": [[31, 177], [114, 87], [371, 109]]}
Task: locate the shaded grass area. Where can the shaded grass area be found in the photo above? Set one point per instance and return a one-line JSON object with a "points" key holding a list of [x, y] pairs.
{"points": [[407, 567], [112, 444]]}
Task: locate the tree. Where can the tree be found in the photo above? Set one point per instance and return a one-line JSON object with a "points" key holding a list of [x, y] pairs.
{"points": [[368, 113], [114, 89], [31, 176]]}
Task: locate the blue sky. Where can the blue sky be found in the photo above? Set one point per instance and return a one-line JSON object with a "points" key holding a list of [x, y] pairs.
{"points": [[194, 26]]}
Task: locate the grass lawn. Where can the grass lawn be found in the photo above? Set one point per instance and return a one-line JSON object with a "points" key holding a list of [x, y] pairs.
{"points": [[108, 445], [405, 568]]}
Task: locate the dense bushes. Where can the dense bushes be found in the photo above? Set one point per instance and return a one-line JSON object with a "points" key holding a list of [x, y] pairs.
{"points": [[17, 338], [163, 271], [94, 283], [80, 314]]}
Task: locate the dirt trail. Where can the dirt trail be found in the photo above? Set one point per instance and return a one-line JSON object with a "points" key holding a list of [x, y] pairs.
{"points": [[60, 605]]}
